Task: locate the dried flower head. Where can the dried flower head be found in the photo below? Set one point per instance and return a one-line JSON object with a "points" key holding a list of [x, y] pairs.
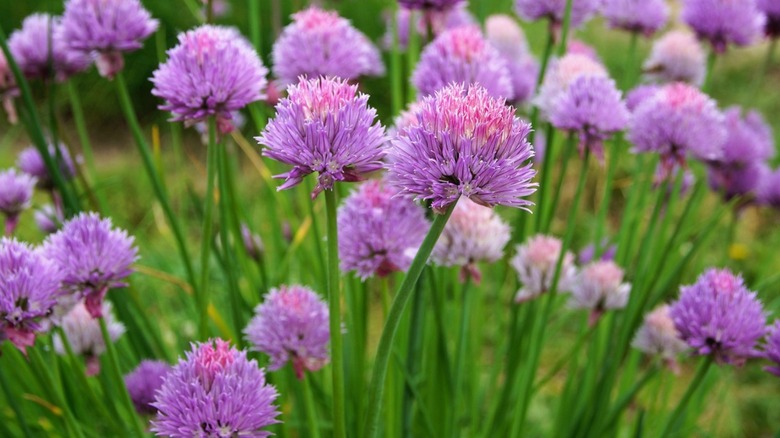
{"points": [[581, 10], [676, 57], [535, 263], [503, 33], [561, 74], [41, 51], [724, 22], [143, 382], [599, 287], [640, 16], [84, 336], [31, 162], [16, 190]]}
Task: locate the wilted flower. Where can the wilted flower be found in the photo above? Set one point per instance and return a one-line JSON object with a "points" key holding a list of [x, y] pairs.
{"points": [[721, 22], [212, 72], [658, 336], [430, 4], [215, 392], [291, 325], [94, 256], [640, 16], [31, 162], [719, 316], [581, 10], [321, 43], [772, 348], [473, 234], [676, 57], [379, 233], [771, 8], [561, 74], [143, 382], [324, 126], [37, 58], [16, 190], [508, 38], [8, 89], [466, 143], [535, 263], [48, 219], [84, 336], [599, 287], [461, 55]]}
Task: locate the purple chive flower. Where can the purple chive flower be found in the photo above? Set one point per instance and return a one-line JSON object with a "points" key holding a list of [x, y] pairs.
{"points": [[473, 234], [743, 180], [8, 89], [83, 333], [638, 16], [105, 29], [592, 108], [16, 190], [215, 392], [769, 189], [143, 382], [430, 24], [635, 97], [253, 243], [679, 120], [29, 289], [771, 8], [31, 162], [30, 47], [213, 71], [503, 33], [535, 264], [437, 5], [721, 22], [94, 255], [48, 219], [676, 57], [466, 143], [658, 336], [291, 325], [719, 316], [379, 233], [321, 43], [599, 287], [772, 348], [588, 254], [324, 126], [561, 74], [462, 55], [533, 10]]}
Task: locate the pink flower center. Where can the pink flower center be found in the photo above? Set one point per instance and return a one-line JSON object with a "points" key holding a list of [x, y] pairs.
{"points": [[210, 361]]}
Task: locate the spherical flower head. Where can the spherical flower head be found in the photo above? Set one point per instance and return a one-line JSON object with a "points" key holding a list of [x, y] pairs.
{"points": [[212, 72], [676, 57], [473, 234], [215, 392], [291, 325], [677, 121], [658, 336], [503, 33], [37, 60], [535, 264], [719, 316], [29, 288], [639, 94], [561, 74], [143, 382], [94, 255], [84, 336], [16, 190], [599, 286], [321, 43], [31, 162], [772, 348], [379, 233], [466, 143], [749, 138], [581, 10], [593, 108], [768, 191], [771, 9], [743, 180], [324, 125], [639, 16], [427, 5], [724, 22]]}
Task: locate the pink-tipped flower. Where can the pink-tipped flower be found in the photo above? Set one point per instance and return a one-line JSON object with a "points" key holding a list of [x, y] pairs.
{"points": [[322, 43], [466, 143], [724, 22], [143, 382], [639, 16], [105, 29], [42, 52], [379, 233], [658, 336], [772, 348], [291, 325], [462, 55], [215, 391], [561, 74], [212, 72], [16, 190], [599, 287], [84, 336], [31, 162], [771, 9], [535, 263], [676, 57], [438, 5], [554, 10], [8, 89], [324, 125], [473, 234], [503, 33]]}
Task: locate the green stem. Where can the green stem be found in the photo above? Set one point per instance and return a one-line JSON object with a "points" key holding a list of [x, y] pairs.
{"points": [[711, 58], [334, 306], [460, 359], [12, 402], [396, 77], [565, 359], [671, 424], [412, 53], [549, 212], [49, 382], [311, 408], [376, 388], [764, 69], [545, 176], [86, 144], [254, 24], [601, 221], [630, 73], [201, 297], [416, 330], [565, 28], [118, 380]]}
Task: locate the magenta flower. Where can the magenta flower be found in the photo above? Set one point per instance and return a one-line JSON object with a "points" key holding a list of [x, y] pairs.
{"points": [[438, 5], [719, 316], [553, 10], [599, 287], [724, 22], [8, 89], [83, 333], [215, 392], [461, 55], [16, 190], [321, 43], [658, 336], [324, 126], [676, 57], [466, 143], [105, 29], [212, 72], [772, 348], [143, 382], [771, 8], [535, 264], [31, 162], [503, 33], [291, 325], [639, 16]]}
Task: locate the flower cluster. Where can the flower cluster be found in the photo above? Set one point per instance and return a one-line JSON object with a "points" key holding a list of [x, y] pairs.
{"points": [[535, 263], [724, 22]]}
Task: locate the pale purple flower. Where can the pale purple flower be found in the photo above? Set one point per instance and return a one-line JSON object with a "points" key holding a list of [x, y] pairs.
{"points": [[599, 286], [324, 125], [769, 189], [105, 29], [554, 10], [253, 243], [749, 137], [639, 94], [772, 348], [38, 59], [143, 382], [16, 190], [438, 5], [771, 9], [428, 24], [29, 289], [676, 57], [658, 336], [84, 336], [466, 143], [8, 89], [503, 33], [215, 391], [31, 162], [535, 263], [462, 55], [561, 74], [291, 325], [639, 16], [322, 43], [212, 72], [719, 316], [48, 219], [94, 255], [579, 47], [724, 22], [473, 234], [379, 233]]}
